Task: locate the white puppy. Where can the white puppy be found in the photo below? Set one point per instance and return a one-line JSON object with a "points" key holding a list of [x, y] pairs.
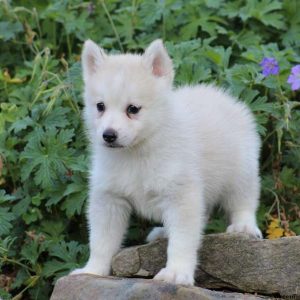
{"points": [[169, 154]]}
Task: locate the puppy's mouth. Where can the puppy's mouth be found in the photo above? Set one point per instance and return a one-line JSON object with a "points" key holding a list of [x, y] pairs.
{"points": [[113, 145]]}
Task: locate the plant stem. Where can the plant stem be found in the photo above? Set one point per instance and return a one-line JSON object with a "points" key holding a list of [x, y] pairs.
{"points": [[112, 24], [12, 261]]}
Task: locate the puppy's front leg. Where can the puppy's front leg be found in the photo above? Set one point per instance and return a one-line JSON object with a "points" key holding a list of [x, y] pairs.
{"points": [[108, 219], [184, 222]]}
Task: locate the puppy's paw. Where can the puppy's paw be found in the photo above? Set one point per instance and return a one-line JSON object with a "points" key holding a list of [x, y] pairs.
{"points": [[249, 229], [175, 276], [87, 270], [156, 233], [78, 271]]}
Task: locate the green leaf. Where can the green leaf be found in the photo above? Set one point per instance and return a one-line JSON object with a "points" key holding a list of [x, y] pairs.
{"points": [[9, 30], [4, 295], [57, 118], [219, 56], [74, 203], [288, 177], [246, 38], [65, 251], [22, 206], [54, 229], [47, 156], [22, 124], [36, 200], [274, 20], [21, 277], [32, 215], [58, 268], [231, 9], [155, 7], [264, 11], [5, 197], [260, 104], [6, 218], [295, 226], [30, 252], [214, 3]]}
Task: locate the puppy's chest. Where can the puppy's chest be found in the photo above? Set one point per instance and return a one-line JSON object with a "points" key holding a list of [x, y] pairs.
{"points": [[144, 188]]}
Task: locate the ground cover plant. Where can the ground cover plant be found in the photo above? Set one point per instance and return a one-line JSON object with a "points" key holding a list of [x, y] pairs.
{"points": [[250, 47]]}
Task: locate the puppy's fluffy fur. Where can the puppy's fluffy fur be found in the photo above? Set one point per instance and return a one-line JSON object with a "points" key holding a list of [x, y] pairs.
{"points": [[185, 150]]}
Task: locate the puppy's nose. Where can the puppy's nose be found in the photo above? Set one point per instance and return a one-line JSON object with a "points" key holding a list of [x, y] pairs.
{"points": [[110, 135]]}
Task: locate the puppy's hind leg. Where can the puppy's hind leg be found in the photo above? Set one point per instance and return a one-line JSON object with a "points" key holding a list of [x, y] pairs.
{"points": [[156, 233], [241, 205]]}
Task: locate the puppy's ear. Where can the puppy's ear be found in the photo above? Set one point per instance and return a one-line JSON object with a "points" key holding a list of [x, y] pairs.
{"points": [[92, 58], [157, 58]]}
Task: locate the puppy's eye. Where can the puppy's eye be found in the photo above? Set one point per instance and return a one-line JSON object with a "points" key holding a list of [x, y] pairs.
{"points": [[100, 107], [133, 110]]}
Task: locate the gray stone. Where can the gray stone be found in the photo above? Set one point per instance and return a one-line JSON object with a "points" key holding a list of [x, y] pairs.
{"points": [[92, 287], [227, 261]]}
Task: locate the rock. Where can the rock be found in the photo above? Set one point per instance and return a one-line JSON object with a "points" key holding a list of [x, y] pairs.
{"points": [[87, 286], [227, 261]]}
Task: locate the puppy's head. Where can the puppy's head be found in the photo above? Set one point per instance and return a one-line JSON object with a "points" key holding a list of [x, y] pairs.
{"points": [[125, 95]]}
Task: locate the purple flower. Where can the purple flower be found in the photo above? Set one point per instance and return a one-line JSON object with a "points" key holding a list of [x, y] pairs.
{"points": [[294, 78], [269, 66]]}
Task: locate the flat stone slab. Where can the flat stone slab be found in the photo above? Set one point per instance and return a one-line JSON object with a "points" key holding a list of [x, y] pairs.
{"points": [[227, 261], [92, 287]]}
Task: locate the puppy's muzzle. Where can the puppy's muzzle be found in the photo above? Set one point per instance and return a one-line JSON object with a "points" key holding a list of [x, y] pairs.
{"points": [[110, 136]]}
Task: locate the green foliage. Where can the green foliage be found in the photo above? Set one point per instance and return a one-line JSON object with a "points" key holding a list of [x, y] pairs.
{"points": [[43, 162]]}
